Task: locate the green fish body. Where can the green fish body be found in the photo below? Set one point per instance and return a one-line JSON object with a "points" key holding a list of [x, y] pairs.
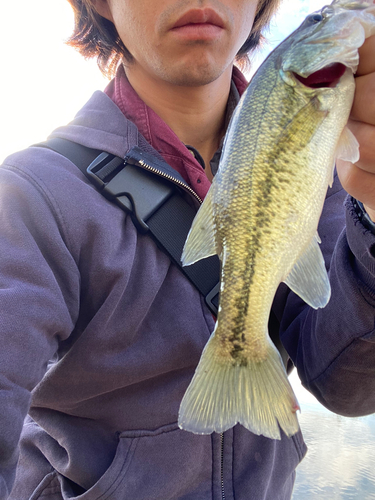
{"points": [[261, 216]]}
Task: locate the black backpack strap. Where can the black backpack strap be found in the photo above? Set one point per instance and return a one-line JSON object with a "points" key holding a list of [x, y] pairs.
{"points": [[155, 204], [80, 155]]}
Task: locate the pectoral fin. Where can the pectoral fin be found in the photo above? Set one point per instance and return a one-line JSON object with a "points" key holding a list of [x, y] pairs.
{"points": [[201, 240], [347, 147], [302, 127], [308, 277]]}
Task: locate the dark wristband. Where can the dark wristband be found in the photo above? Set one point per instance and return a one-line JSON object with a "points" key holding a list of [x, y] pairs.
{"points": [[363, 216]]}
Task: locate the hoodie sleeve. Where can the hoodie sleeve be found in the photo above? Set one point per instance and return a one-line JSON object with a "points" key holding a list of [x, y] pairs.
{"points": [[334, 348], [39, 300]]}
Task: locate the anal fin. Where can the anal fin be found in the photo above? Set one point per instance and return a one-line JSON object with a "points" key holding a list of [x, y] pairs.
{"points": [[308, 277]]}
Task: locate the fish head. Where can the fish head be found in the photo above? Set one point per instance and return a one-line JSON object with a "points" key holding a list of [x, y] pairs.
{"points": [[326, 44]]}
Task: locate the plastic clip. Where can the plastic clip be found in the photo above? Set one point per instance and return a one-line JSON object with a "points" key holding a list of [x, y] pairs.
{"points": [[134, 189]]}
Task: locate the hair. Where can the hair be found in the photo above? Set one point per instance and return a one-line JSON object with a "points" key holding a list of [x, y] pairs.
{"points": [[95, 36]]}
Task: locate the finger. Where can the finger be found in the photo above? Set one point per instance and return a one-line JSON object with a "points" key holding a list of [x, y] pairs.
{"points": [[363, 109], [365, 135], [366, 57], [357, 182]]}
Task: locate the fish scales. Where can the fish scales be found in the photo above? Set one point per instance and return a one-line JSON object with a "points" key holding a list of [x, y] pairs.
{"points": [[261, 216], [251, 282]]}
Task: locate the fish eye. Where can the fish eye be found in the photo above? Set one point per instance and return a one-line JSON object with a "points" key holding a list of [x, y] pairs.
{"points": [[315, 18]]}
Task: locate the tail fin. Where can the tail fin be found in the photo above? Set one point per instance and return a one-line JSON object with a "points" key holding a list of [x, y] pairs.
{"points": [[222, 393]]}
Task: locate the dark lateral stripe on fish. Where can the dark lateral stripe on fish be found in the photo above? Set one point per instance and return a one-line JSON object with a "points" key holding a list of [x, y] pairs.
{"points": [[272, 178], [262, 220]]}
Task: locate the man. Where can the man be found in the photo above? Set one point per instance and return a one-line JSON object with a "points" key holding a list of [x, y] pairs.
{"points": [[104, 330]]}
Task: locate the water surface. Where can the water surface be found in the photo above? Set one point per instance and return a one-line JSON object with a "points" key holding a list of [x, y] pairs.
{"points": [[339, 464]]}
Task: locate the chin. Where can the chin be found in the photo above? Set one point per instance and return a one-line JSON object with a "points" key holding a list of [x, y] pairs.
{"points": [[193, 76]]}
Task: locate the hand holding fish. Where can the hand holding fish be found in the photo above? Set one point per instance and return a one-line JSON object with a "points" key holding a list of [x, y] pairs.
{"points": [[359, 179]]}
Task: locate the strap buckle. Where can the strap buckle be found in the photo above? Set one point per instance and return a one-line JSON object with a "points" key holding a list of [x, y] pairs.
{"points": [[132, 188]]}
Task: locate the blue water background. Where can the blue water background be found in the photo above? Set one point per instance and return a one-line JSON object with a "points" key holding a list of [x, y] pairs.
{"points": [[339, 464]]}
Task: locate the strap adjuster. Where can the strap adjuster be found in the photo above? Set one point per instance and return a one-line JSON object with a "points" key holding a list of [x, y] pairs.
{"points": [[135, 190], [212, 298]]}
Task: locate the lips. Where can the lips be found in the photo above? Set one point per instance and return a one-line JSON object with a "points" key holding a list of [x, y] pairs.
{"points": [[199, 16]]}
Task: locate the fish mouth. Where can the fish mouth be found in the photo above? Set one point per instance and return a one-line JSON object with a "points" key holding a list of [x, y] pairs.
{"points": [[329, 76]]}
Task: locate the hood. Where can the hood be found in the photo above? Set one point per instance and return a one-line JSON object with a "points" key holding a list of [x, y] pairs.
{"points": [[101, 125]]}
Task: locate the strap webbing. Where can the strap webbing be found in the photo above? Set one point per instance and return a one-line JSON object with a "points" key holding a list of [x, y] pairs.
{"points": [[177, 215], [80, 155]]}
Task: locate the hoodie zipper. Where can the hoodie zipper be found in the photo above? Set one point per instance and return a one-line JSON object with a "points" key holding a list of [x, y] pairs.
{"points": [[179, 183], [222, 465], [146, 166]]}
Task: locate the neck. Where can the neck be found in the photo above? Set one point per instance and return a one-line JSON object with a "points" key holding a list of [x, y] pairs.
{"points": [[195, 114]]}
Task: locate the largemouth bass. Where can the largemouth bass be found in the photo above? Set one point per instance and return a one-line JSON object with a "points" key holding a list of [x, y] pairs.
{"points": [[261, 216]]}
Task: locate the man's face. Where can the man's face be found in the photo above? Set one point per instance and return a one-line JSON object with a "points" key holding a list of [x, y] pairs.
{"points": [[183, 42]]}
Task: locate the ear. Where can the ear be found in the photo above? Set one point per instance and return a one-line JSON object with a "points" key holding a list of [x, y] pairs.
{"points": [[103, 9]]}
